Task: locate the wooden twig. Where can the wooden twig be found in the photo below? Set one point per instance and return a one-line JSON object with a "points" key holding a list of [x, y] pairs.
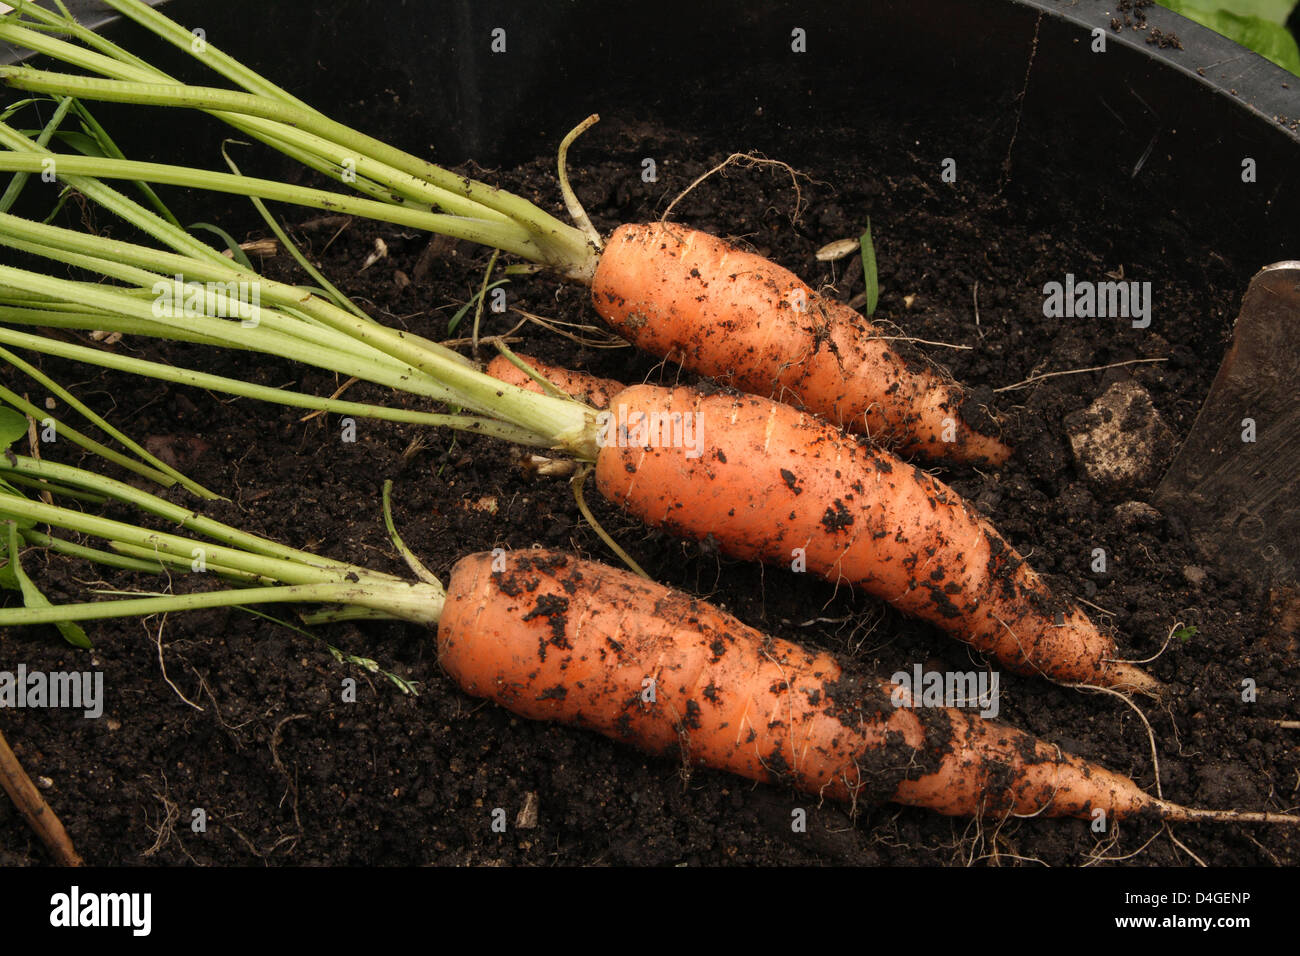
{"points": [[33, 807]]}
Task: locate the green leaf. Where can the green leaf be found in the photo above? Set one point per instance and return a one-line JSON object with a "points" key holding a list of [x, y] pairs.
{"points": [[405, 686], [1251, 24], [13, 427], [64, 195], [1186, 633], [240, 256], [1275, 11], [464, 309], [19, 180], [869, 270], [327, 288], [82, 143], [153, 469], [6, 581], [12, 108], [32, 596], [7, 489], [109, 149]]}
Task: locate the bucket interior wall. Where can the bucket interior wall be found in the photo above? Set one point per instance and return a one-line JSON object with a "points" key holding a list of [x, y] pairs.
{"points": [[1133, 132]]}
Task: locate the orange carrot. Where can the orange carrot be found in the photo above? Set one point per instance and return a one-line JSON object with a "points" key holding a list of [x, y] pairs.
{"points": [[877, 523], [720, 310], [747, 322], [583, 386], [552, 637], [774, 484]]}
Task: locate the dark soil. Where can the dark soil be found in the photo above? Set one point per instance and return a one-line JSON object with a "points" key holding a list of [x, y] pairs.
{"points": [[246, 719]]}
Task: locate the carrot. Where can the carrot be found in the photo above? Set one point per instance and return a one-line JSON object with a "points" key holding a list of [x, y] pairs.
{"points": [[552, 637], [721, 311], [774, 484], [869, 519], [583, 386], [739, 318], [906, 538], [748, 322]]}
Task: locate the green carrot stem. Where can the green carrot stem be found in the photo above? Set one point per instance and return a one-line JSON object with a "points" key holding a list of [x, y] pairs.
{"points": [[507, 236], [68, 25], [152, 462], [86, 442], [331, 291], [55, 489], [568, 424], [210, 100], [180, 376], [568, 248], [19, 180], [515, 207], [179, 562], [162, 544], [313, 151], [117, 258], [106, 558], [161, 508], [224, 64], [417, 603], [116, 202], [219, 300], [100, 321], [110, 148], [270, 334], [267, 336]]}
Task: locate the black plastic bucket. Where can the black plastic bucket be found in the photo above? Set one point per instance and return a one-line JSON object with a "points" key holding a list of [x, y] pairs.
{"points": [[1142, 125]]}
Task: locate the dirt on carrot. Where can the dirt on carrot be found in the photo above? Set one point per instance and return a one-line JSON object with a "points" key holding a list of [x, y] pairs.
{"points": [[668, 673], [777, 485], [291, 771], [726, 312]]}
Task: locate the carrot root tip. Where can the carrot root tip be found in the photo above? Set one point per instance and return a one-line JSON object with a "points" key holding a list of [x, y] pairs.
{"points": [[1128, 677], [1176, 813]]}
